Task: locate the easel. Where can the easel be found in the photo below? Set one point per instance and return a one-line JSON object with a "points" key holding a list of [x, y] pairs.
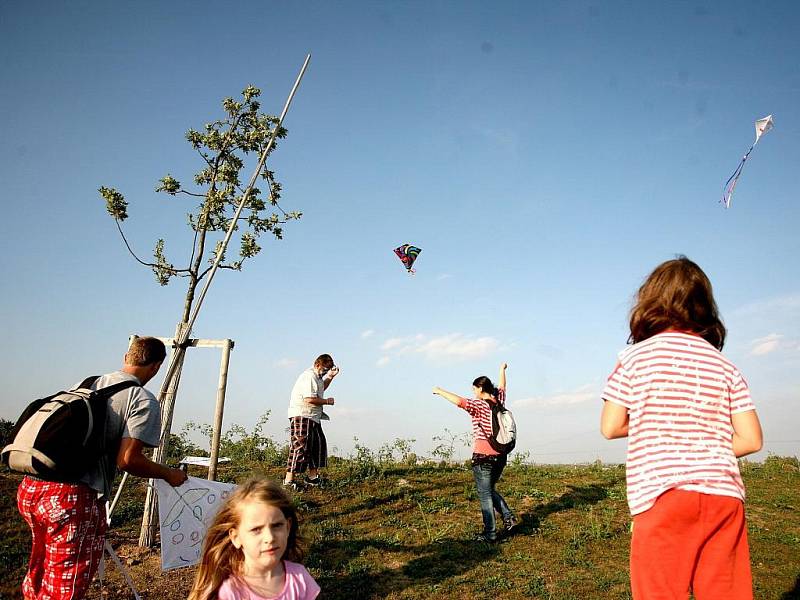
{"points": [[125, 575]]}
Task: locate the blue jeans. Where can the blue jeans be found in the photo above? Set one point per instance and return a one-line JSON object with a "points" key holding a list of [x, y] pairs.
{"points": [[486, 476]]}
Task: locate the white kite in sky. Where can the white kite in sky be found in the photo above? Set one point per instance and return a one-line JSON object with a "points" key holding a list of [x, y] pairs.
{"points": [[762, 127]]}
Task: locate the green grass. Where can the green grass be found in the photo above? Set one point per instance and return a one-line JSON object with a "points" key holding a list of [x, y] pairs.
{"points": [[385, 530]]}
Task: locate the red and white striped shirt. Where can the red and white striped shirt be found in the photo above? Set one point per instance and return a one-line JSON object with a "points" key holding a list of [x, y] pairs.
{"points": [[481, 413], [680, 393]]}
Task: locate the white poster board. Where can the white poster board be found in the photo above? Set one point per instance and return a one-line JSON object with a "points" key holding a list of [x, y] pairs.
{"points": [[184, 515]]}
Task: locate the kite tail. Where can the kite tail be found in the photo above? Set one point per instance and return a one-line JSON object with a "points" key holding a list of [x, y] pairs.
{"points": [[730, 185]]}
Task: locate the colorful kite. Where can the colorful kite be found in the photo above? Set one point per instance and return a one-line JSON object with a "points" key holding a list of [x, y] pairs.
{"points": [[408, 254], [762, 127]]}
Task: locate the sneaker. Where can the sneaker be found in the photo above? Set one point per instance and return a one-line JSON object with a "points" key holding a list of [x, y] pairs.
{"points": [[293, 486], [485, 539], [314, 482], [510, 523]]}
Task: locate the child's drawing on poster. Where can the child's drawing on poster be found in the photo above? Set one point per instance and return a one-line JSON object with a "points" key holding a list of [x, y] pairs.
{"points": [[184, 513]]}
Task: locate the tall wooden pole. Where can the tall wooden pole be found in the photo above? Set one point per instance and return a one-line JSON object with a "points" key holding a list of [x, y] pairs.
{"points": [[220, 408]]}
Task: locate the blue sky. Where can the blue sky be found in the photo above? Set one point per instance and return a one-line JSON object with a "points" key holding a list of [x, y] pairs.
{"points": [[545, 157]]}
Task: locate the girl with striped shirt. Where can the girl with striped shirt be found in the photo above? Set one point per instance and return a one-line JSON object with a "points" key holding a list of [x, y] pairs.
{"points": [[487, 463], [687, 413]]}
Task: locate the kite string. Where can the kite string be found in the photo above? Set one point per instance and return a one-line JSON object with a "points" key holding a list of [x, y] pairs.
{"points": [[730, 185]]}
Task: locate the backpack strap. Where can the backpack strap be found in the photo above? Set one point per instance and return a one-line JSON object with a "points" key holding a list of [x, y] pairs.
{"points": [[117, 387], [491, 409], [102, 395], [108, 391], [88, 382]]}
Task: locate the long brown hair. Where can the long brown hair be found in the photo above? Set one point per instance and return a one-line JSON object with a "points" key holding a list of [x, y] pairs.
{"points": [[677, 295], [220, 558]]}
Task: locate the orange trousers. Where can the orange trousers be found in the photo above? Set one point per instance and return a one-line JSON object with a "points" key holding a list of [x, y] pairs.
{"points": [[691, 541]]}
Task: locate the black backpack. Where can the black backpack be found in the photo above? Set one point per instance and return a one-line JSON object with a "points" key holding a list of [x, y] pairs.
{"points": [[61, 437]]}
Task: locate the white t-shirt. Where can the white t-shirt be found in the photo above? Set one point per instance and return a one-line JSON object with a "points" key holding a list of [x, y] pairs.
{"points": [[680, 393], [308, 385]]}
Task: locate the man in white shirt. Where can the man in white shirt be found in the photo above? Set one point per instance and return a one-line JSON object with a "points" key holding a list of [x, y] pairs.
{"points": [[308, 448]]}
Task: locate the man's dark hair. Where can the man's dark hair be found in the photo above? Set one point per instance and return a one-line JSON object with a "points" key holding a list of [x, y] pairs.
{"points": [[325, 361]]}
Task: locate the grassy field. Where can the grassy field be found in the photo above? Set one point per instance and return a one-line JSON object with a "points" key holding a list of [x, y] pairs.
{"points": [[382, 530]]}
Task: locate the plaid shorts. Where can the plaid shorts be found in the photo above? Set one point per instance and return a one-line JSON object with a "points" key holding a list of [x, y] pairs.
{"points": [[68, 525], [308, 448]]}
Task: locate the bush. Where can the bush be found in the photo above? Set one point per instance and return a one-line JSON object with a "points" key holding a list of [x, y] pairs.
{"points": [[5, 431], [240, 445], [181, 446], [361, 464], [446, 447]]}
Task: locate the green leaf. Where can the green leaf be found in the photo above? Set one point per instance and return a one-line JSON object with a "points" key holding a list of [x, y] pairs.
{"points": [[162, 269], [249, 248], [169, 184], [116, 205]]}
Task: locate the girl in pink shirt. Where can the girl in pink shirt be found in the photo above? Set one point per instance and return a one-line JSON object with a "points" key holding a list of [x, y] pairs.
{"points": [[252, 550], [487, 463], [687, 414]]}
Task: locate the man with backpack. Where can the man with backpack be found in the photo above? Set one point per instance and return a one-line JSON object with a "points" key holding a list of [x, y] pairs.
{"points": [[68, 518]]}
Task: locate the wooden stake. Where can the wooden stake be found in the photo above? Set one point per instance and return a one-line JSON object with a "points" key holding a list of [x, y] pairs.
{"points": [[223, 383]]}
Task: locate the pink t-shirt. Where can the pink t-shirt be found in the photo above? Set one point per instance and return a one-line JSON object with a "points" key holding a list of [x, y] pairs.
{"points": [[481, 413], [298, 585], [680, 393]]}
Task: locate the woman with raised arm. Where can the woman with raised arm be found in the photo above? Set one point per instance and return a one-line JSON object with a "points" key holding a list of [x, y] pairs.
{"points": [[487, 463]]}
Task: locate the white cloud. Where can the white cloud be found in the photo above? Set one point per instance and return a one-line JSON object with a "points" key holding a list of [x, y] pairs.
{"points": [[779, 305], [766, 344], [456, 345], [402, 343], [452, 346], [383, 361], [773, 342], [367, 333], [444, 276], [585, 393], [285, 363]]}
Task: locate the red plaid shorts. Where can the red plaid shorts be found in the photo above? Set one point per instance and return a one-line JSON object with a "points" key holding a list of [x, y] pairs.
{"points": [[68, 525]]}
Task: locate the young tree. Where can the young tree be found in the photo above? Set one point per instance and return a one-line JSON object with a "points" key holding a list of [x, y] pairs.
{"points": [[223, 146]]}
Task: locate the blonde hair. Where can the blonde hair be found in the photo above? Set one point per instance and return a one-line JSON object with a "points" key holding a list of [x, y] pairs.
{"points": [[221, 559]]}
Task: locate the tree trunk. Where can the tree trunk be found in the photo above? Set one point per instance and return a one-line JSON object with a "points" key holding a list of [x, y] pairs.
{"points": [[169, 389]]}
